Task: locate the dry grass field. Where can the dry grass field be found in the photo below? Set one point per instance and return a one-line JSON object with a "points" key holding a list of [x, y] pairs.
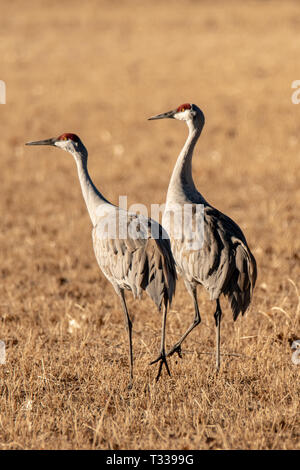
{"points": [[100, 69]]}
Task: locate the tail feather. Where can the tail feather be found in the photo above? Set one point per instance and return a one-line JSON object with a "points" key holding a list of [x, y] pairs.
{"points": [[159, 277], [240, 287]]}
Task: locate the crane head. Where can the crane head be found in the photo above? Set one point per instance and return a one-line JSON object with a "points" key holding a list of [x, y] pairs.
{"points": [[66, 141], [185, 112]]}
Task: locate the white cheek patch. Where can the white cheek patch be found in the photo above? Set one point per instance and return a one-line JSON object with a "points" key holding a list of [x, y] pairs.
{"points": [[183, 116], [62, 144]]}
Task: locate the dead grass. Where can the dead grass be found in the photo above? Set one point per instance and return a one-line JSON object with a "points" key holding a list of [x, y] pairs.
{"points": [[100, 69]]}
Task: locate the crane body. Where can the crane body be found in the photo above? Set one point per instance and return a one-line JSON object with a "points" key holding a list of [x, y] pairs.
{"points": [[223, 264], [126, 252]]}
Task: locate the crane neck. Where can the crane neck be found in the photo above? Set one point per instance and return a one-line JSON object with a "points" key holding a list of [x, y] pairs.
{"points": [[93, 198], [181, 186]]}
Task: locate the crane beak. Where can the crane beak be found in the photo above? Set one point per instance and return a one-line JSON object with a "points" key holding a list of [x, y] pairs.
{"points": [[169, 114], [43, 142]]}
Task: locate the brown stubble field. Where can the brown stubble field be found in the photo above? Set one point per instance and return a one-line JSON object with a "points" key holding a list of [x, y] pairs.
{"points": [[99, 69]]}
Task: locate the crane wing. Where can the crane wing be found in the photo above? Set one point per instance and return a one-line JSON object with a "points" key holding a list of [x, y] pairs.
{"points": [[223, 264], [131, 258]]}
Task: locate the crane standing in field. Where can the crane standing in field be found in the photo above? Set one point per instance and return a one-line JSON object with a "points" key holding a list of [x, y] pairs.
{"points": [[126, 251], [223, 262]]}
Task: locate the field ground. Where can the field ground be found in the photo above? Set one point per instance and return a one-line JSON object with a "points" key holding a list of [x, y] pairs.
{"points": [[99, 69]]}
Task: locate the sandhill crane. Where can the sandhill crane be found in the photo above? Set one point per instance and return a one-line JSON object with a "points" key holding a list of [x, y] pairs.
{"points": [[223, 264], [127, 252]]}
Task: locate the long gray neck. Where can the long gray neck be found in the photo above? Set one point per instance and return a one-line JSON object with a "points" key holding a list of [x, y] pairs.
{"points": [[93, 198], [181, 186]]}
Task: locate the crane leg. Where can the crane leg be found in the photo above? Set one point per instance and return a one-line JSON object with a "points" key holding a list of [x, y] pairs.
{"points": [[162, 357], [218, 316], [197, 319], [128, 326]]}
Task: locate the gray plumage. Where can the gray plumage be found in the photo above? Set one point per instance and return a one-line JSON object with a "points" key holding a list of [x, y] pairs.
{"points": [[222, 261], [127, 253], [136, 264], [224, 264]]}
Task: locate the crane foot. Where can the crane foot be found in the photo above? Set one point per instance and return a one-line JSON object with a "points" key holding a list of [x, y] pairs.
{"points": [[163, 361], [175, 349]]}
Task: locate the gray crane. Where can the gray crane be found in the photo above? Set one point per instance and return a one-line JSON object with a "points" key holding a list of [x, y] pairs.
{"points": [[221, 260], [127, 252]]}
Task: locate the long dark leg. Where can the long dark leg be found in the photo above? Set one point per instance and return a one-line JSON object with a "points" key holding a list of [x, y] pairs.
{"points": [[218, 316], [162, 356], [128, 326], [197, 319]]}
